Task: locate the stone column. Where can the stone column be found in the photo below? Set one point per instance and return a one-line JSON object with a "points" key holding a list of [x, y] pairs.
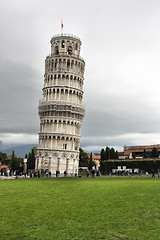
{"points": [[73, 167], [58, 164], [67, 164], [25, 165], [49, 164]]}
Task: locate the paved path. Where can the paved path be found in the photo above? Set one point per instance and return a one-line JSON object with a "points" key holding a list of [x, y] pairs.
{"points": [[9, 177]]}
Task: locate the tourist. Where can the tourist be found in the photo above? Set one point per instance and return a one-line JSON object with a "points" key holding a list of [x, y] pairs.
{"points": [[5, 172], [38, 174], [57, 173], [93, 173], [35, 173], [97, 173], [8, 172], [153, 176], [87, 173]]}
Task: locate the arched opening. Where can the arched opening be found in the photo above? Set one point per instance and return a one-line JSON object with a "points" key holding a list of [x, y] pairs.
{"points": [[56, 50], [63, 44], [68, 64]]}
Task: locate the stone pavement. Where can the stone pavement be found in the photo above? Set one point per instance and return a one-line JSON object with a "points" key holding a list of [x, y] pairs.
{"points": [[10, 177]]}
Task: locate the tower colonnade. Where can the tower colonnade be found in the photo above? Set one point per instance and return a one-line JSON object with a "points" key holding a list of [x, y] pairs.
{"points": [[63, 80], [61, 110]]}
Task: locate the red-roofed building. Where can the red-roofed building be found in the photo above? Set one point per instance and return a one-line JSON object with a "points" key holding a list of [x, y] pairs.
{"points": [[137, 151], [96, 160]]}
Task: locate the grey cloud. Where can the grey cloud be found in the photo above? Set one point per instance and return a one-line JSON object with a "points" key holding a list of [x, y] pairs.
{"points": [[120, 44], [19, 98], [119, 116]]}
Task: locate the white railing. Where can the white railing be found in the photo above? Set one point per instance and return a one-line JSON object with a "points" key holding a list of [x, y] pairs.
{"points": [[66, 35], [41, 102], [62, 55]]}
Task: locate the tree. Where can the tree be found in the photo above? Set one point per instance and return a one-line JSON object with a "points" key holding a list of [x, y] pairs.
{"points": [[14, 162], [107, 153], [91, 163], [116, 155], [112, 153], [102, 154], [154, 152], [31, 159], [83, 158], [145, 155], [3, 158], [35, 151]]}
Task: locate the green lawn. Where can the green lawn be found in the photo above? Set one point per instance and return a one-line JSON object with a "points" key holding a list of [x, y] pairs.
{"points": [[80, 208]]}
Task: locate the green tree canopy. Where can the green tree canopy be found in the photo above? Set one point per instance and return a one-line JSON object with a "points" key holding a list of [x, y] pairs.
{"points": [[107, 153], [83, 158], [91, 163], [112, 153], [102, 154], [14, 164], [145, 155], [31, 159], [116, 155], [154, 152], [3, 158]]}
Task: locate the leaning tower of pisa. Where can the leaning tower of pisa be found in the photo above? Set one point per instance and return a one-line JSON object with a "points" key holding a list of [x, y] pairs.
{"points": [[61, 110]]}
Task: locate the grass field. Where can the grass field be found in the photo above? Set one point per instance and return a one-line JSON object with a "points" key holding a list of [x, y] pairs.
{"points": [[80, 208]]}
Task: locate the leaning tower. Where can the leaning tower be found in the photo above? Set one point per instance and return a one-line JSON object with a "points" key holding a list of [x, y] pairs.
{"points": [[61, 110]]}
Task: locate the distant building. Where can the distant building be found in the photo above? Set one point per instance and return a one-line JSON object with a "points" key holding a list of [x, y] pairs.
{"points": [[137, 151], [121, 155], [96, 159]]}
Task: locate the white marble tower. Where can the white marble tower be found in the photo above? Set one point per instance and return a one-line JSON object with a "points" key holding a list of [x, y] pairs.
{"points": [[61, 110]]}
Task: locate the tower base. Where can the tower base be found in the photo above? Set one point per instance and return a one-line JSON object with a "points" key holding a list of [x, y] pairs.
{"points": [[57, 163]]}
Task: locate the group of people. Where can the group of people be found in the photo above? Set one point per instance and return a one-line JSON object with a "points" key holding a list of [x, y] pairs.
{"points": [[33, 174], [93, 173], [8, 172], [58, 173], [38, 174], [153, 174]]}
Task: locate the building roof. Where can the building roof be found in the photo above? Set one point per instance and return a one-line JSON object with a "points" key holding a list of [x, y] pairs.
{"points": [[120, 153], [3, 166], [95, 157], [141, 148]]}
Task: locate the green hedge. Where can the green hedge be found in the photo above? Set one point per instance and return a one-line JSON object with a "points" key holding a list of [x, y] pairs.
{"points": [[148, 166]]}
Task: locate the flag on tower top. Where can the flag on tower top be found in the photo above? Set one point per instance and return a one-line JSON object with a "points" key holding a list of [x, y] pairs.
{"points": [[61, 27]]}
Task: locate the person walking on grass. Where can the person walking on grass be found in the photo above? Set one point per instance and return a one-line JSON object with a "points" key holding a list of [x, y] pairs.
{"points": [[153, 176], [87, 173], [93, 173]]}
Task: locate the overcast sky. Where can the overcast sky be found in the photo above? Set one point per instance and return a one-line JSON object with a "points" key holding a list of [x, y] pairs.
{"points": [[121, 48]]}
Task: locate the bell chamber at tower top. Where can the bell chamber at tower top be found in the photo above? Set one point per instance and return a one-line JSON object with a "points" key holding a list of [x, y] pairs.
{"points": [[65, 44]]}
